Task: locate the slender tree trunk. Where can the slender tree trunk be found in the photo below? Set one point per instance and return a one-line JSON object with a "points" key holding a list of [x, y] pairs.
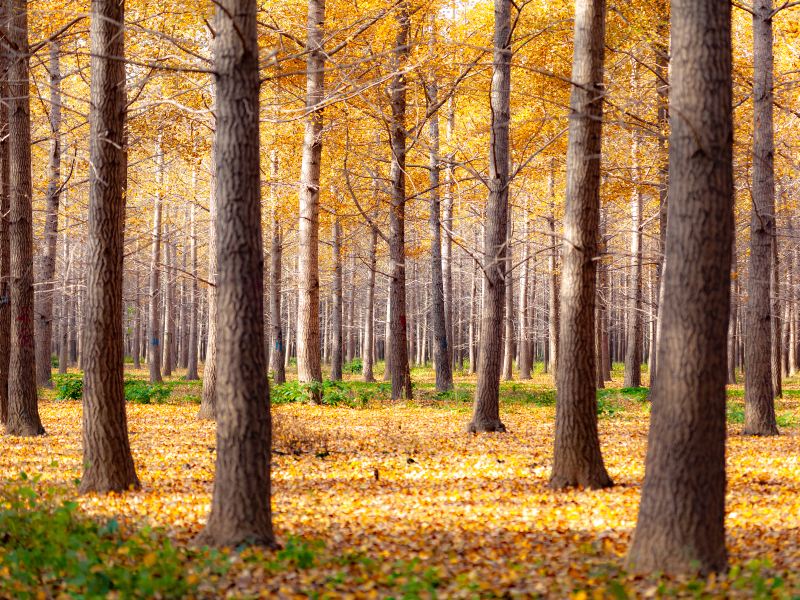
{"points": [[107, 459], [137, 315], [447, 221], [525, 363], [633, 354], [473, 299], [401, 374], [554, 316], [336, 321], [47, 272], [276, 258], [350, 329], [759, 411], [441, 334], [169, 305], [154, 350], [369, 326], [486, 414], [66, 293], [23, 403], [309, 368], [241, 504], [387, 339], [680, 529], [577, 459], [732, 338], [194, 297]]}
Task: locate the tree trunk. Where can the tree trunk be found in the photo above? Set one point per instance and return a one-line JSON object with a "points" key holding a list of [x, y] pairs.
{"points": [[107, 459], [447, 221], [732, 339], [241, 505], [525, 363], [577, 459], [350, 328], [759, 411], [369, 326], [401, 374], [276, 269], [387, 339], [633, 355], [681, 528], [137, 314], [554, 315], [169, 305], [5, 207], [486, 415], [208, 402], [154, 350], [336, 321], [23, 403], [775, 309], [194, 297], [441, 334], [508, 336], [47, 272], [309, 368]]}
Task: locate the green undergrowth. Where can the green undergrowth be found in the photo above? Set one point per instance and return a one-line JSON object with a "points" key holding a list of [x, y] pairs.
{"points": [[50, 549], [70, 387]]}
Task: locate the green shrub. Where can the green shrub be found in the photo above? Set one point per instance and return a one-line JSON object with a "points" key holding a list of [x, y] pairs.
{"points": [[141, 392], [49, 547], [735, 413], [355, 367], [68, 386], [607, 407]]}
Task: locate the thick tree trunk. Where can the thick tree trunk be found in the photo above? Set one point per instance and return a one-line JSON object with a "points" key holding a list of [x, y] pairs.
{"points": [[241, 505], [775, 309], [759, 411], [336, 321], [442, 358], [508, 336], [23, 403], [154, 329], [577, 459], [486, 413], [309, 368], [107, 459], [5, 207], [682, 512], [47, 272], [208, 402], [633, 354], [401, 374]]}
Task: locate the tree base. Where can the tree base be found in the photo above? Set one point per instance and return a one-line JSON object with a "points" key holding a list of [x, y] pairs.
{"points": [[104, 485], [222, 537], [25, 429], [495, 426], [760, 430], [597, 480], [206, 413]]}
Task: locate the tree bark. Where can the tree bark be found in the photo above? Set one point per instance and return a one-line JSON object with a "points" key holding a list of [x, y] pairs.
{"points": [[154, 349], [168, 288], [5, 208], [194, 297], [241, 504], [369, 326], [276, 269], [633, 354], [442, 358], [107, 459], [680, 529], [208, 402], [554, 315], [400, 372], [508, 336], [309, 368], [577, 459], [23, 403], [47, 272], [775, 309], [486, 412], [525, 363], [336, 321], [759, 411]]}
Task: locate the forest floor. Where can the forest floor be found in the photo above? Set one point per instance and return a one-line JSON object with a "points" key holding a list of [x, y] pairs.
{"points": [[376, 499]]}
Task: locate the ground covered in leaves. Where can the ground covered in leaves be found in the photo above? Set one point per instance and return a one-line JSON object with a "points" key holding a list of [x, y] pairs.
{"points": [[376, 499]]}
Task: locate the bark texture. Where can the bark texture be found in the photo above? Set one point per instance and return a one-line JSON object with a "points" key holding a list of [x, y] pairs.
{"points": [[5, 245], [486, 411], [107, 459], [680, 528], [309, 367], [633, 354], [154, 329], [241, 505], [759, 407], [47, 272], [336, 320], [23, 402], [400, 371], [577, 459]]}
